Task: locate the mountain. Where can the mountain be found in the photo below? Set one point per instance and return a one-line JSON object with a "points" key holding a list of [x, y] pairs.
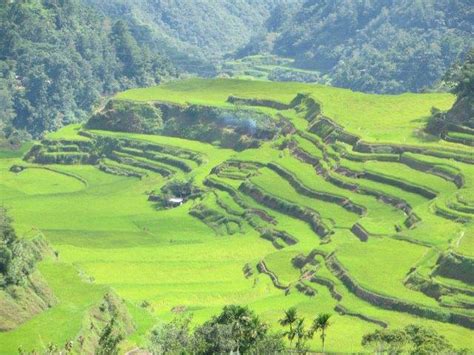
{"points": [[382, 46], [57, 58], [194, 33]]}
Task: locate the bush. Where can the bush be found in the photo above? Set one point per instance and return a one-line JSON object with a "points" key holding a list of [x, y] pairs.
{"points": [[174, 337], [127, 116], [180, 188], [235, 329], [17, 257], [413, 339]]}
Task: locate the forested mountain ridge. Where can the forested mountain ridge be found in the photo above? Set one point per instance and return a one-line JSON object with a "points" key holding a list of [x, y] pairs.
{"points": [[59, 57], [379, 46], [196, 34], [373, 46]]}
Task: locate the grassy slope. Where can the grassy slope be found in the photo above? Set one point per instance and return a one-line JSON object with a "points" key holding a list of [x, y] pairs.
{"points": [[375, 117], [108, 230]]}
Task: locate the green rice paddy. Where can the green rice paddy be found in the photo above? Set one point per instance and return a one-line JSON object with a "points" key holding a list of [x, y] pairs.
{"points": [[108, 234]]}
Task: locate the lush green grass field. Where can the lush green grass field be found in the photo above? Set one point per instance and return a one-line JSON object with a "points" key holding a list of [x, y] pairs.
{"points": [[393, 118], [108, 235]]}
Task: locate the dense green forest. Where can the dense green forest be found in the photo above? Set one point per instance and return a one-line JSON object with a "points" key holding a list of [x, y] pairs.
{"points": [[196, 34], [379, 46], [58, 57]]}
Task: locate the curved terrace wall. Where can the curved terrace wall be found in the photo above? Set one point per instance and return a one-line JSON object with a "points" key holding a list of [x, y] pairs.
{"points": [[390, 303]]}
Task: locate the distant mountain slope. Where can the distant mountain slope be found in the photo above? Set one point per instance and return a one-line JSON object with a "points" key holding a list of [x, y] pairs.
{"points": [[58, 57], [386, 46], [194, 33]]}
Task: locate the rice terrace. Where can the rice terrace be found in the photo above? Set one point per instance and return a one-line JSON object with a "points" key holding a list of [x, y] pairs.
{"points": [[287, 197], [236, 177]]}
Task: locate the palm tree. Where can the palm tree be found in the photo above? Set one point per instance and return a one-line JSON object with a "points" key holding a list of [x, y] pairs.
{"points": [[291, 316], [321, 323], [300, 334]]}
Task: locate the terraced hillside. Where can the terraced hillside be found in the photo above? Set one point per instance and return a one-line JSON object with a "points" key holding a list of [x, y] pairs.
{"points": [[297, 195]]}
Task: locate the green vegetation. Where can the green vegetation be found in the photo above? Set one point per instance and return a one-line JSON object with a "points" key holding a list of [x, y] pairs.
{"points": [[385, 118], [58, 58], [128, 117], [385, 47], [196, 34], [412, 339], [235, 329], [23, 291], [346, 208], [457, 124]]}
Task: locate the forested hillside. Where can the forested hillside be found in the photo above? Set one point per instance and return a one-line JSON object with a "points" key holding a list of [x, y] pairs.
{"points": [[194, 33], [384, 46], [58, 57]]}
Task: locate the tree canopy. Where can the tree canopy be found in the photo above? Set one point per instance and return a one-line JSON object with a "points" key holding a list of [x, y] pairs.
{"points": [[58, 57], [379, 46], [236, 329]]}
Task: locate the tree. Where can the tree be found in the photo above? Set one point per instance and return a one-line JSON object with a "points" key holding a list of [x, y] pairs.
{"points": [[6, 104], [174, 337], [301, 334], [109, 339], [17, 256], [321, 323], [461, 78], [297, 329], [377, 46], [289, 319], [412, 339], [235, 329], [57, 58], [426, 340], [245, 327], [128, 51], [465, 77], [386, 341]]}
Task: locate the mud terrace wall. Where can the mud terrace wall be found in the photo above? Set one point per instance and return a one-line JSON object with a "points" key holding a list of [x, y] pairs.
{"points": [[298, 186], [305, 214], [390, 303], [446, 173], [365, 147], [456, 266], [257, 102], [344, 311], [262, 268], [360, 232]]}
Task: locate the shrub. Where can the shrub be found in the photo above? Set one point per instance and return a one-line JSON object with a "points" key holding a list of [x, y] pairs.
{"points": [[17, 257], [235, 329], [126, 116], [413, 339]]}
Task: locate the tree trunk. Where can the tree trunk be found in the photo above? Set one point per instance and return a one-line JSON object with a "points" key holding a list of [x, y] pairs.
{"points": [[322, 339]]}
